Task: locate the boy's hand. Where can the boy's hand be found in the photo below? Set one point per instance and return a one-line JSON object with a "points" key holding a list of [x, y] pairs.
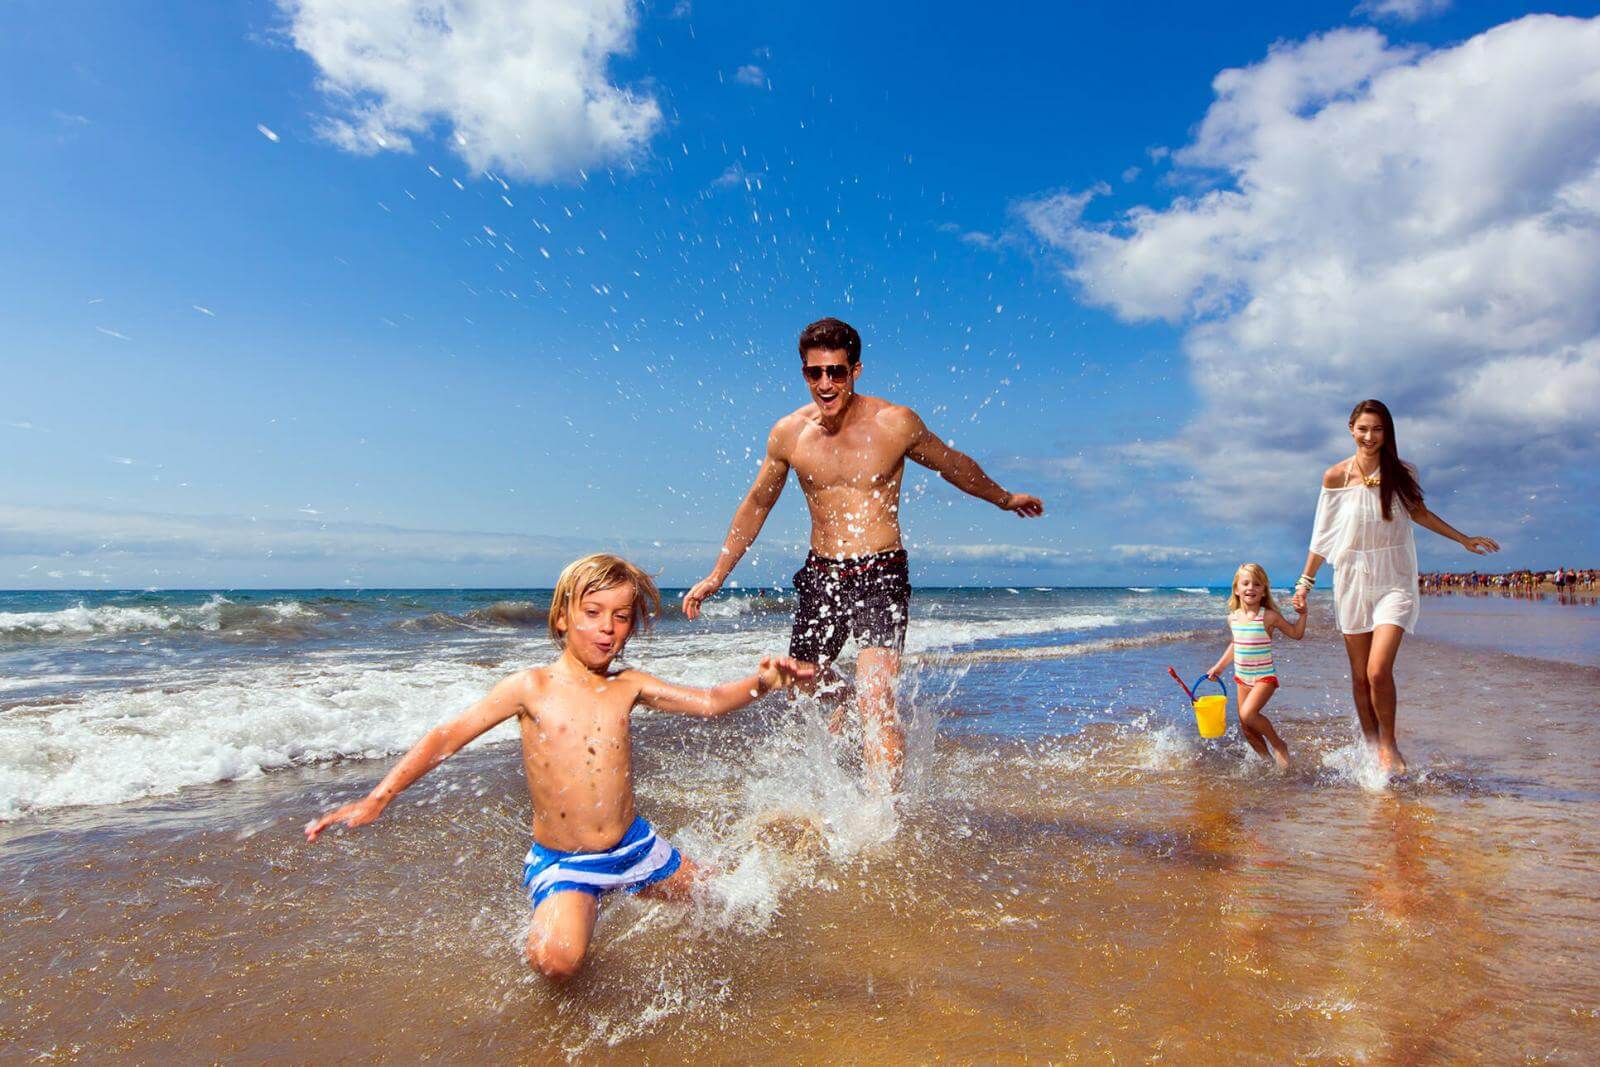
{"points": [[356, 814], [779, 673]]}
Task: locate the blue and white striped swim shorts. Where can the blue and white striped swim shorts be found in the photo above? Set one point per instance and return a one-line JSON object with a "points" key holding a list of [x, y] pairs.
{"points": [[641, 858]]}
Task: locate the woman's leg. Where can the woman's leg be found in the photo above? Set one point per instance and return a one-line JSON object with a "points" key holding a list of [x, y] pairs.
{"points": [[1250, 718], [1359, 648], [1380, 681]]}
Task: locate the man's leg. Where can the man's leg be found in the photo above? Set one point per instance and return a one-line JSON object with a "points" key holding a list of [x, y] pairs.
{"points": [[883, 742], [562, 925]]}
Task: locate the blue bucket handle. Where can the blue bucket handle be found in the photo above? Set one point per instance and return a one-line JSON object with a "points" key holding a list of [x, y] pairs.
{"points": [[1195, 688]]}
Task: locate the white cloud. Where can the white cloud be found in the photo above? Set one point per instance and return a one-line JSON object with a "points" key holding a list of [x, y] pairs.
{"points": [[522, 84], [750, 74], [1000, 555], [1421, 226], [1402, 10], [1162, 553]]}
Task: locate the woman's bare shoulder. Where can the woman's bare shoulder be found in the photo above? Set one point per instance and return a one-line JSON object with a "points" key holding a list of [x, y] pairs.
{"points": [[1335, 476]]}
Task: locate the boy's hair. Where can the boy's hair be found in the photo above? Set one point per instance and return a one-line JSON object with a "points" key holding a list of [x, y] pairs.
{"points": [[1259, 573], [600, 571], [831, 334]]}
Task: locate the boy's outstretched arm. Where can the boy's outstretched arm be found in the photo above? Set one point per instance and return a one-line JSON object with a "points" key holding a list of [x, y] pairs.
{"points": [[962, 471], [729, 696], [439, 743]]}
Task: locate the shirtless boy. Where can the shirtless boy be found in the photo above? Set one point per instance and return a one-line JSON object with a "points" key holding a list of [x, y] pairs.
{"points": [[578, 757], [850, 451]]}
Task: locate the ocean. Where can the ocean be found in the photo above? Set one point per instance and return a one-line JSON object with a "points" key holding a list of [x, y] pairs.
{"points": [[1070, 872]]}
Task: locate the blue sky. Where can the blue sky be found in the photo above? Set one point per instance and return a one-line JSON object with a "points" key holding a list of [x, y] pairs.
{"points": [[246, 344]]}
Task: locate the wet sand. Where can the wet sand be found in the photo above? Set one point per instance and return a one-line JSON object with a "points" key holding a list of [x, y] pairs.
{"points": [[1126, 893]]}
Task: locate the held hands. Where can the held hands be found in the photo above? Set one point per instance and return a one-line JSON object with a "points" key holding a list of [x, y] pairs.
{"points": [[352, 815], [776, 673], [1480, 546], [707, 586], [1023, 505], [1299, 600]]}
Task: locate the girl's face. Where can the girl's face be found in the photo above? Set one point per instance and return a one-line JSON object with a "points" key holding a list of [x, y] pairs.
{"points": [[1248, 588], [1367, 431]]}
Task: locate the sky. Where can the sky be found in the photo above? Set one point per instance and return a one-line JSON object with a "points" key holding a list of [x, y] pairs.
{"points": [[348, 293]]}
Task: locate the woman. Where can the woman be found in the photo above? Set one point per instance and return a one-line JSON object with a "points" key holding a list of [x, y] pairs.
{"points": [[1375, 564]]}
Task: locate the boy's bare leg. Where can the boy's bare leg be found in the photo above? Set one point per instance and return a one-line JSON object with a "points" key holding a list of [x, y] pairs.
{"points": [[562, 925], [1380, 681], [882, 739], [1250, 718], [1359, 648], [677, 886]]}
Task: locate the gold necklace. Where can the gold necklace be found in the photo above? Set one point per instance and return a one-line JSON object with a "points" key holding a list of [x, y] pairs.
{"points": [[1368, 480]]}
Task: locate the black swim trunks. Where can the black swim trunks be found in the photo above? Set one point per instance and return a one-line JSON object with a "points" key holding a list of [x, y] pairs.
{"points": [[867, 596]]}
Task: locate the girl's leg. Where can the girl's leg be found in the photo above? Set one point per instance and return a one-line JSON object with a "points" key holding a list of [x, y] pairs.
{"points": [[1248, 732], [1250, 718], [1359, 648], [562, 925], [1380, 680]]}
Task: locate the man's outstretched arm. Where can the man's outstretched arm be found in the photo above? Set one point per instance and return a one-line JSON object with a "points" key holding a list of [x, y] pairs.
{"points": [[963, 472], [747, 522]]}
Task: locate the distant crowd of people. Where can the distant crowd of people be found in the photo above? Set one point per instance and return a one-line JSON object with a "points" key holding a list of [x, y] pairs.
{"points": [[1560, 580]]}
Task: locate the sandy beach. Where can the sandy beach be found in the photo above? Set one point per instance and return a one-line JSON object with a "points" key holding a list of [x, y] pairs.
{"points": [[1119, 890]]}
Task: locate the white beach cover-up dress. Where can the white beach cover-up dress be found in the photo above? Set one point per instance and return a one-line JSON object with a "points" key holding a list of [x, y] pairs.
{"points": [[1374, 560]]}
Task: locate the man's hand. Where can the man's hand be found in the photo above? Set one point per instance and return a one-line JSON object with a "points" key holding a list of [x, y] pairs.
{"points": [[779, 673], [707, 586], [1025, 506], [359, 813]]}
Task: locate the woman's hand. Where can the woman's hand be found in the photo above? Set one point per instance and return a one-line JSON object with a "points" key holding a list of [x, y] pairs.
{"points": [[1299, 599], [1480, 546]]}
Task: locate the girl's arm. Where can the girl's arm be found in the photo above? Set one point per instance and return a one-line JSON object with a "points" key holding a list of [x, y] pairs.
{"points": [[720, 700], [1478, 546], [1227, 657], [438, 744], [1296, 629]]}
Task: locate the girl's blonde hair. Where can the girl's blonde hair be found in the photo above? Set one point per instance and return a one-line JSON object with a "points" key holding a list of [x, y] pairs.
{"points": [[600, 571], [1259, 573]]}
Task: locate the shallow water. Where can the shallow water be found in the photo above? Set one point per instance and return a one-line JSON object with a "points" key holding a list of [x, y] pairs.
{"points": [[1071, 874]]}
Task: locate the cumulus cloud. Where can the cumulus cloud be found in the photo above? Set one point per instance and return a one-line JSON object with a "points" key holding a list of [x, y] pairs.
{"points": [[1402, 10], [522, 85], [750, 74], [1374, 220]]}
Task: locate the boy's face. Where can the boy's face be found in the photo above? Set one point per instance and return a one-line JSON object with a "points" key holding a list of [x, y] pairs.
{"points": [[598, 623]]}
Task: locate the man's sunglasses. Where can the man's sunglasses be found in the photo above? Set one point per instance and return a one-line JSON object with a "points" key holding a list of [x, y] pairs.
{"points": [[836, 372]]}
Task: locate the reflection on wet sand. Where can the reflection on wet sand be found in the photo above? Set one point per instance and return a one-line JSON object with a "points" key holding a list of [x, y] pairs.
{"points": [[1124, 893]]}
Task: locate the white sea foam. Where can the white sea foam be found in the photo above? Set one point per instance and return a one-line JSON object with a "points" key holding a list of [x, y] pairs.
{"points": [[1193, 589], [82, 620]]}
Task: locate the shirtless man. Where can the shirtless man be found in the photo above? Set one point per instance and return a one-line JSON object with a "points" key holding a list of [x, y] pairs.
{"points": [[850, 453]]}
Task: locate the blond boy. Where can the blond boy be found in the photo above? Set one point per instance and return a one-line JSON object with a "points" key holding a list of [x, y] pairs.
{"points": [[577, 755]]}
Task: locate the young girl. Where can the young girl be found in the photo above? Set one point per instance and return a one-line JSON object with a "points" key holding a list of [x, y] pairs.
{"points": [[1252, 616]]}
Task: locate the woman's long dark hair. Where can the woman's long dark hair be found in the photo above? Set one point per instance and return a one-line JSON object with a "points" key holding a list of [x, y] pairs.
{"points": [[1395, 476]]}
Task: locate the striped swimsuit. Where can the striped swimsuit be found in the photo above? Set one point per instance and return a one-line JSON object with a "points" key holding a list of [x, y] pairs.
{"points": [[1252, 652]]}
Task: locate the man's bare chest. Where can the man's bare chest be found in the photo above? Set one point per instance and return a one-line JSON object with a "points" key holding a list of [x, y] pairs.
{"points": [[856, 461]]}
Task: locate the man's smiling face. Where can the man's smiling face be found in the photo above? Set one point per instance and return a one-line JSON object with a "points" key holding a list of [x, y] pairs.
{"points": [[831, 379]]}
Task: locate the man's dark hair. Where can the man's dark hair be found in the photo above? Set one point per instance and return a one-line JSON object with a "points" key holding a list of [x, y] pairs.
{"points": [[831, 334]]}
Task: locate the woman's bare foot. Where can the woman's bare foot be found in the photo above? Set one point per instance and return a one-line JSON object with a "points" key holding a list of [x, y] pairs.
{"points": [[1390, 760], [1280, 756]]}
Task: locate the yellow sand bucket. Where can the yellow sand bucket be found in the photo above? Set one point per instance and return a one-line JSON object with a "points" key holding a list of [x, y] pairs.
{"points": [[1211, 712]]}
